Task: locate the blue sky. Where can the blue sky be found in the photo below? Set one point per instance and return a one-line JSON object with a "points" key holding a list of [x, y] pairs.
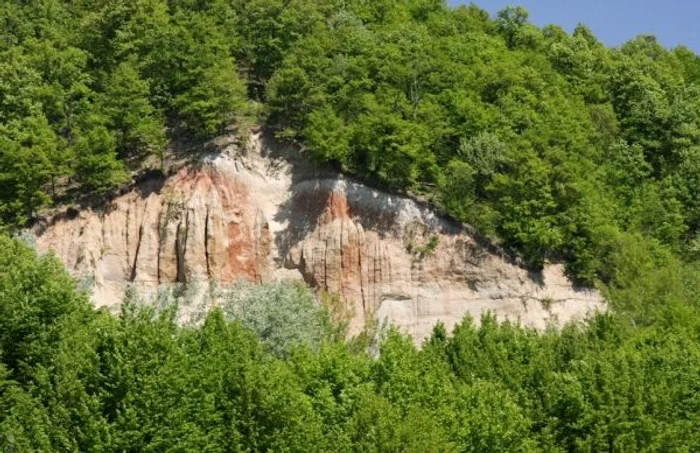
{"points": [[673, 22]]}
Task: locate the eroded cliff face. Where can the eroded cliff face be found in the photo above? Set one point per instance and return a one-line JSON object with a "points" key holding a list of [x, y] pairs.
{"points": [[262, 215]]}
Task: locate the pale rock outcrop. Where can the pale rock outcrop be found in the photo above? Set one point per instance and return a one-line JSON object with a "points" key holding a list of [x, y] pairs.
{"points": [[259, 216]]}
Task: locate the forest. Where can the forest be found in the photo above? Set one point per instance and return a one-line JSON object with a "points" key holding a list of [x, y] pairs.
{"points": [[552, 144]]}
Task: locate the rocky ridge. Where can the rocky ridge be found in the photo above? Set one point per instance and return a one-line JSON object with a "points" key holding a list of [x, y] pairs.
{"points": [[263, 214]]}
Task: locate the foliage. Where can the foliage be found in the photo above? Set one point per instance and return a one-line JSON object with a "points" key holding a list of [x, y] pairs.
{"points": [[88, 89], [512, 128], [283, 317], [549, 142], [74, 379]]}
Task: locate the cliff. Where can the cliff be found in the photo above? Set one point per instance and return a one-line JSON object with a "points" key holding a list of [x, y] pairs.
{"points": [[261, 213]]}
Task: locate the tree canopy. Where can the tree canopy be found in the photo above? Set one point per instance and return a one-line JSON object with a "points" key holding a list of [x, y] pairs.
{"points": [[268, 371], [551, 143]]}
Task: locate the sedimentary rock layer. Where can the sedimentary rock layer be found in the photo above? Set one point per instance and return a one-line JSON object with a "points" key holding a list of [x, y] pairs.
{"points": [[259, 216]]}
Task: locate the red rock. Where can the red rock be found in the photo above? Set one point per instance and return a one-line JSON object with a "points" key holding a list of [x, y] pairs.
{"points": [[263, 219]]}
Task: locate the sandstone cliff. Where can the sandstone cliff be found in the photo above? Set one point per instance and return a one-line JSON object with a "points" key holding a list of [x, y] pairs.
{"points": [[260, 214]]}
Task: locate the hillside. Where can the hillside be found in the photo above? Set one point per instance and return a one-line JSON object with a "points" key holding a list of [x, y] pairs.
{"points": [[540, 158], [558, 146], [263, 213]]}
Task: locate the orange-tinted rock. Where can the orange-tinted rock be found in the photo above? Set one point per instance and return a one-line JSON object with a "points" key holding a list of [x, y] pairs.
{"points": [[263, 218]]}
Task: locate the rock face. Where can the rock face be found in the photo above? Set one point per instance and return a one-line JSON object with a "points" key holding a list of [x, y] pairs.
{"points": [[263, 215]]}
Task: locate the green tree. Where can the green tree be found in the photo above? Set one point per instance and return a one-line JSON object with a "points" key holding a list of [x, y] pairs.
{"points": [[283, 316], [96, 165], [36, 296], [215, 99], [139, 127], [26, 150]]}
